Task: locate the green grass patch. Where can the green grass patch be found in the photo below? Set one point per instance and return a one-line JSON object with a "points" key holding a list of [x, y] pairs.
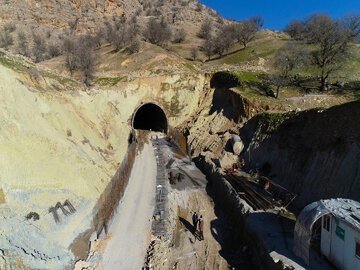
{"points": [[12, 63], [262, 48], [248, 76], [62, 80], [109, 81], [240, 56], [249, 93], [190, 66], [271, 121]]}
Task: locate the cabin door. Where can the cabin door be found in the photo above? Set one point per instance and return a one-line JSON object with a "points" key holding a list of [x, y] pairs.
{"points": [[338, 244], [326, 235]]}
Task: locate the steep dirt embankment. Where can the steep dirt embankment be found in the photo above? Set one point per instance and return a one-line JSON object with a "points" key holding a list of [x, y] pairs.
{"points": [[315, 153], [221, 112], [61, 142]]}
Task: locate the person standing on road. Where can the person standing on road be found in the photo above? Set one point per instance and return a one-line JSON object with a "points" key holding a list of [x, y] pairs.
{"points": [[201, 228], [195, 219]]}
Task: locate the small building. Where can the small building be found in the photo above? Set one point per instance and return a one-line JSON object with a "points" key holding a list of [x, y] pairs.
{"points": [[333, 228]]}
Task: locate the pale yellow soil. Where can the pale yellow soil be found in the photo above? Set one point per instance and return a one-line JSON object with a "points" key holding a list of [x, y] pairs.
{"points": [[2, 196], [67, 144]]}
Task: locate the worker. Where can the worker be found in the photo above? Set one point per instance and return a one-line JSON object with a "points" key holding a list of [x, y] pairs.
{"points": [[201, 228], [195, 219]]}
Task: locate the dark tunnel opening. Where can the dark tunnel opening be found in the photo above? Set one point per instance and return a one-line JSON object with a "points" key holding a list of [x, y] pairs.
{"points": [[150, 117]]}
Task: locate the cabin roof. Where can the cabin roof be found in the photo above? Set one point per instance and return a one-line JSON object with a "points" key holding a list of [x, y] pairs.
{"points": [[344, 209]]}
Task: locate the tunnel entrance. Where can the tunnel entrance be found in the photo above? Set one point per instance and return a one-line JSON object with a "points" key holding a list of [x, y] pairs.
{"points": [[150, 117]]}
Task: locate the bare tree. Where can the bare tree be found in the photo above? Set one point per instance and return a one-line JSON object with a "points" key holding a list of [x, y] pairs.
{"points": [[109, 31], [122, 34], [296, 29], [87, 66], [224, 39], [119, 39], [331, 40], [6, 40], [351, 23], [194, 53], [133, 28], [205, 29], [258, 21], [179, 35], [99, 37], [39, 48], [70, 49], [286, 60], [86, 58], [134, 46], [245, 32], [158, 32], [54, 50], [22, 44], [208, 47]]}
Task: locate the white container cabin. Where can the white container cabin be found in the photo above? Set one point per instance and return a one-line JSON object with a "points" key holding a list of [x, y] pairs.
{"points": [[340, 232]]}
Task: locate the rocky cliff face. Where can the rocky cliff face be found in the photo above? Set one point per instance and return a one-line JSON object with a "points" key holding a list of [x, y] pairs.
{"points": [[314, 153], [221, 112]]}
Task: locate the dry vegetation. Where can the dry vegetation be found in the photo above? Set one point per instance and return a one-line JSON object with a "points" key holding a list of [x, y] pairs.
{"points": [[83, 38]]}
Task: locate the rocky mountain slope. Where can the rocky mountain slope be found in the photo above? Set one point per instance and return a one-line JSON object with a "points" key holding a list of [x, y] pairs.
{"points": [[61, 17], [89, 13]]}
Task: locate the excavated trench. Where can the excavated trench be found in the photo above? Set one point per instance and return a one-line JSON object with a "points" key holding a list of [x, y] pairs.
{"points": [[150, 116]]}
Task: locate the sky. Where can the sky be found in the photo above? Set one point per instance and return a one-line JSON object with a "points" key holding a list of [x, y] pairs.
{"points": [[278, 13]]}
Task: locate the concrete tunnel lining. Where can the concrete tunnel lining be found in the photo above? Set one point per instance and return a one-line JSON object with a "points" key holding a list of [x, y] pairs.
{"points": [[150, 116]]}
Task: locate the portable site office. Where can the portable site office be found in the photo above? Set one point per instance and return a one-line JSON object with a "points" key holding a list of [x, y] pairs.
{"points": [[338, 223]]}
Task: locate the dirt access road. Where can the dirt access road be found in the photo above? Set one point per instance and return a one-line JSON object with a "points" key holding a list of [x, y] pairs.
{"points": [[129, 232], [127, 245]]}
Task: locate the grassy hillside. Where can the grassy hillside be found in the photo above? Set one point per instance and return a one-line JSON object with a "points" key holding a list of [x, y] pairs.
{"points": [[266, 44]]}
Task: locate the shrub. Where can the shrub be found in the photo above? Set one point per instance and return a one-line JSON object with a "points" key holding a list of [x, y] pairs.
{"points": [[194, 53], [6, 40], [39, 48], [179, 36], [158, 32], [54, 50], [205, 29], [22, 44]]}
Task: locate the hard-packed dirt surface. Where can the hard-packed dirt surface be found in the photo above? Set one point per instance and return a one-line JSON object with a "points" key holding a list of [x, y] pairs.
{"points": [[124, 246], [131, 242], [184, 250], [180, 246]]}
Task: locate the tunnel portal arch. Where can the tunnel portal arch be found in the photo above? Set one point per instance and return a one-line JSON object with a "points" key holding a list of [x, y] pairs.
{"points": [[150, 116]]}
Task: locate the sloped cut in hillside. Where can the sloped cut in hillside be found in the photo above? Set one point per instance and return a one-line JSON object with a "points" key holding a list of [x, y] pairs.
{"points": [[315, 153], [60, 146]]}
